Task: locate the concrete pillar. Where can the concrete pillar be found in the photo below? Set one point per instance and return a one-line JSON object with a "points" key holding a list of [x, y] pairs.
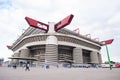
{"points": [[15, 60], [24, 53], [99, 58], [51, 30], [77, 55], [94, 57], [51, 51]]}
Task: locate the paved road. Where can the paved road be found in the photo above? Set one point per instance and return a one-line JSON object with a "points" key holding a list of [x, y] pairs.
{"points": [[59, 74]]}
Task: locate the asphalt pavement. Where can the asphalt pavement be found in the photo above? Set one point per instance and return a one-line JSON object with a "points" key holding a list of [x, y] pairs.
{"points": [[59, 74]]}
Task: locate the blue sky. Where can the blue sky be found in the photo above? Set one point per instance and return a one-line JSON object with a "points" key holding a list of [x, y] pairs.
{"points": [[5, 4], [100, 18]]}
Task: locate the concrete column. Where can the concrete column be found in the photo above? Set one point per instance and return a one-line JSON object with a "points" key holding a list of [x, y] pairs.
{"points": [[51, 51], [51, 30], [99, 58], [77, 55], [24, 53], [94, 57], [15, 60]]}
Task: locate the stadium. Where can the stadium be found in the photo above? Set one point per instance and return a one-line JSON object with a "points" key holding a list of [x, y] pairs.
{"points": [[53, 44]]}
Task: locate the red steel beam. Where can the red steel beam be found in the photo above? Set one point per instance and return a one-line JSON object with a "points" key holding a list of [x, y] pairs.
{"points": [[66, 21], [37, 24]]}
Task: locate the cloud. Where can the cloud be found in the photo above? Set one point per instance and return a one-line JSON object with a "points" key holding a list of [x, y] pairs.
{"points": [[100, 18], [5, 4], [115, 19]]}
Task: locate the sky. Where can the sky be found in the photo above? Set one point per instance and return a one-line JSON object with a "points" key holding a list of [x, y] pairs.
{"points": [[100, 18]]}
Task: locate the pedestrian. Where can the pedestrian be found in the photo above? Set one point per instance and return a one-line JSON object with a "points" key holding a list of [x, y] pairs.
{"points": [[27, 67], [14, 66]]}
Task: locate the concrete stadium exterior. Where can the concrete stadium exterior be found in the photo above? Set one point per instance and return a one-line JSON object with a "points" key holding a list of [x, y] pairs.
{"points": [[55, 47], [64, 47]]}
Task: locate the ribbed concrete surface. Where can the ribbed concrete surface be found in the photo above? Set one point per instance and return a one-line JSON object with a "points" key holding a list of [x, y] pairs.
{"points": [[24, 53], [51, 54], [77, 55], [94, 57]]}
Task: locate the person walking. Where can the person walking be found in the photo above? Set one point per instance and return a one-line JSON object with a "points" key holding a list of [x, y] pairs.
{"points": [[14, 66], [27, 67]]}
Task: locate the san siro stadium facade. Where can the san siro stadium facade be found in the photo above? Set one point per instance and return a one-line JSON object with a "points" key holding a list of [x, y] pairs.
{"points": [[55, 47]]}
